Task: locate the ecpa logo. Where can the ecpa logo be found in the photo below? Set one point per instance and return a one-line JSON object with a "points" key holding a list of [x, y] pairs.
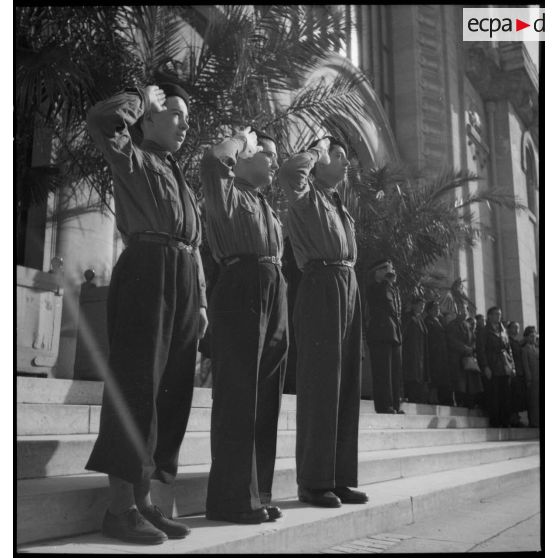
{"points": [[503, 24]]}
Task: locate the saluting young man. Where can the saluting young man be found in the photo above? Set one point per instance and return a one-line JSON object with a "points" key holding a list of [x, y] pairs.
{"points": [[249, 341], [327, 324], [156, 308]]}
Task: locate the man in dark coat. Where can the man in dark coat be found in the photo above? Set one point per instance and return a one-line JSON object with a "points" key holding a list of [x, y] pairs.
{"points": [[496, 361], [415, 353], [461, 343], [156, 308], [383, 334], [438, 356]]}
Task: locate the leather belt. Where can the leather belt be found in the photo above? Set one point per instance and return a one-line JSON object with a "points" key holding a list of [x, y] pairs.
{"points": [[163, 239], [231, 260], [330, 263]]}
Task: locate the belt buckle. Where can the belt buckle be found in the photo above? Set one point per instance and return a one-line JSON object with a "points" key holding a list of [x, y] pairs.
{"points": [[273, 259], [183, 246]]}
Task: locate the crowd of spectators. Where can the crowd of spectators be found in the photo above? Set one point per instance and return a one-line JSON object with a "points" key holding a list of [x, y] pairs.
{"points": [[471, 362]]}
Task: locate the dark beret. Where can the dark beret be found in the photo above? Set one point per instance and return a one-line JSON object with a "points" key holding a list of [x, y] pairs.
{"points": [[379, 263], [173, 90]]}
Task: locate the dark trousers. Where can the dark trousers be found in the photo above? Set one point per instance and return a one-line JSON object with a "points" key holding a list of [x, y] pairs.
{"points": [[248, 318], [153, 319], [500, 400], [385, 359], [445, 395], [327, 322], [416, 392]]}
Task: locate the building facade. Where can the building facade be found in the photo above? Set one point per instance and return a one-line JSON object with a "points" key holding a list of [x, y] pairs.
{"points": [[435, 102]]}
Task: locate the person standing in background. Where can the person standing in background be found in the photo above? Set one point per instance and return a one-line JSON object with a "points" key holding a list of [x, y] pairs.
{"points": [[496, 361], [530, 354], [518, 383], [383, 334], [441, 391], [416, 372], [480, 322], [461, 343]]}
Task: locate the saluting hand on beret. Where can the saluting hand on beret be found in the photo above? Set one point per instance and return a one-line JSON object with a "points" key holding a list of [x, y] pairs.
{"points": [[251, 146], [322, 147], [156, 99]]}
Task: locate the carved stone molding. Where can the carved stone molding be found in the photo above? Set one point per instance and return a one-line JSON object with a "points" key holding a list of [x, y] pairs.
{"points": [[432, 93], [506, 73]]}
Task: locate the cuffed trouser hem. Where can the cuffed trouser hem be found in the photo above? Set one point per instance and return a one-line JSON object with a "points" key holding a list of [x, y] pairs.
{"points": [[265, 498], [231, 506]]}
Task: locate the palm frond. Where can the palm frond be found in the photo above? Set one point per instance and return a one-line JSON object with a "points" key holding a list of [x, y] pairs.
{"points": [[493, 196]]}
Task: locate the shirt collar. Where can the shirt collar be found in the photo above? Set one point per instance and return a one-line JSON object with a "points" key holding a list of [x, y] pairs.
{"points": [[325, 188], [243, 184], [150, 145]]}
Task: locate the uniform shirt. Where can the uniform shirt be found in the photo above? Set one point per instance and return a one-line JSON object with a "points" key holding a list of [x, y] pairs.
{"points": [[236, 214], [314, 222], [147, 194]]}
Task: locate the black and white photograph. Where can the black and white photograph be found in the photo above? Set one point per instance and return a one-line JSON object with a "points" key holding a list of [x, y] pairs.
{"points": [[277, 279]]}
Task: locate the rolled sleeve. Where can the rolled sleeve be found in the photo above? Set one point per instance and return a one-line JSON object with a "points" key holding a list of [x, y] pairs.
{"points": [[109, 124], [216, 172], [293, 175]]}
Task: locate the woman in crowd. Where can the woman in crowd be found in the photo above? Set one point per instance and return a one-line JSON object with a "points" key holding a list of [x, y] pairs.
{"points": [[441, 392], [530, 354], [461, 348], [518, 385], [496, 361], [415, 353]]}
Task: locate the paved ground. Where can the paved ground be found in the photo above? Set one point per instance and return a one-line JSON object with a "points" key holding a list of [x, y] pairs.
{"points": [[501, 523]]}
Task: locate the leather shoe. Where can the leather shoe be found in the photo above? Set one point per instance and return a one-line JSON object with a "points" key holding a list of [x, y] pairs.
{"points": [[131, 526], [400, 412], [173, 529], [348, 496], [273, 512], [320, 497], [251, 517]]}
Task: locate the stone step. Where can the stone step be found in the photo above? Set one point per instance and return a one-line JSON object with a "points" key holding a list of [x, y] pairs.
{"points": [[56, 418], [393, 503], [47, 455], [80, 392]]}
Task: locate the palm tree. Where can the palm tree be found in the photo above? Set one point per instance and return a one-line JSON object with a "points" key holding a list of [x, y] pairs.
{"points": [[416, 220], [238, 63], [66, 59]]}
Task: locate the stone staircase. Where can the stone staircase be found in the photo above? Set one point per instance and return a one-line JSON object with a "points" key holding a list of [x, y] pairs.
{"points": [[409, 464]]}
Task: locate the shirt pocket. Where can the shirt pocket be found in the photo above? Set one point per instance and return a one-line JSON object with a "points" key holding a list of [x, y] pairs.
{"points": [[332, 216]]}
